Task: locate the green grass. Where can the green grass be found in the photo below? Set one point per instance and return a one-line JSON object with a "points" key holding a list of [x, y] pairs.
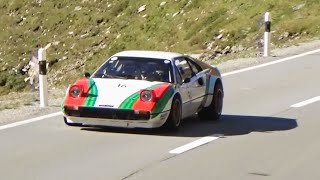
{"points": [[102, 28]]}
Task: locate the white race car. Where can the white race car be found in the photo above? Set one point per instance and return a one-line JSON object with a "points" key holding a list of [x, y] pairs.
{"points": [[145, 89]]}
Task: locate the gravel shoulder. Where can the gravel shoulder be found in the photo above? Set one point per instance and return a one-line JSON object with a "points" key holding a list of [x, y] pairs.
{"points": [[276, 54], [21, 106], [16, 107]]}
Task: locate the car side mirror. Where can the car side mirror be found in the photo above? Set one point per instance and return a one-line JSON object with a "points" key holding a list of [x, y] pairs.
{"points": [[186, 80], [87, 75], [200, 81]]}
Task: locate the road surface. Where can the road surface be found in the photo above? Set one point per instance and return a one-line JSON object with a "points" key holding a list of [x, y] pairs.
{"points": [[269, 130]]}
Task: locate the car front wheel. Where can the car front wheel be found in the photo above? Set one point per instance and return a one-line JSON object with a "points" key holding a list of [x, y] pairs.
{"points": [[214, 111], [174, 120]]}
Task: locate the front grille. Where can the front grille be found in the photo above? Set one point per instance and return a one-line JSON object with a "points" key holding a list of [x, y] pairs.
{"points": [[107, 113]]}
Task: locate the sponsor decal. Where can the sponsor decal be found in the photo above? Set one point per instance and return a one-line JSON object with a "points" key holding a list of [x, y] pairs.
{"points": [[122, 85], [114, 58], [106, 105], [167, 61]]}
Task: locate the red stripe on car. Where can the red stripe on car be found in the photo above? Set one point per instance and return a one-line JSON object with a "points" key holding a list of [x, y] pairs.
{"points": [[79, 101], [149, 106]]}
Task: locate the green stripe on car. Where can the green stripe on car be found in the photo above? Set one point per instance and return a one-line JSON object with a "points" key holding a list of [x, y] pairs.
{"points": [[93, 94], [163, 102], [131, 100]]}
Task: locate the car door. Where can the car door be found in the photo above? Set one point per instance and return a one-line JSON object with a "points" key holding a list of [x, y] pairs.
{"points": [[183, 88], [195, 82], [197, 86]]}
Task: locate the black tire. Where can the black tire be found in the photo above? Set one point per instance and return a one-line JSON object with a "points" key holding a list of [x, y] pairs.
{"points": [[174, 120], [71, 124], [214, 111]]}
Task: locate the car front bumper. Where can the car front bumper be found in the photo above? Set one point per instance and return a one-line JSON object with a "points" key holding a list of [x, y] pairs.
{"points": [[115, 117]]}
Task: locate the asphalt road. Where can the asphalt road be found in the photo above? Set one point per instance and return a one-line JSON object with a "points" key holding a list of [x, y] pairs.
{"points": [[260, 137]]}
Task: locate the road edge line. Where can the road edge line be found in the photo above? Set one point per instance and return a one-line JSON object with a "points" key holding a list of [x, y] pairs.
{"points": [[7, 126], [270, 63]]}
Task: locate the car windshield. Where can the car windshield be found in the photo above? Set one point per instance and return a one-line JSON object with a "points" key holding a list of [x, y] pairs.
{"points": [[149, 69]]}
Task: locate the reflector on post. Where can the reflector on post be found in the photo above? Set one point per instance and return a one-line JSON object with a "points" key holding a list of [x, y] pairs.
{"points": [[267, 34]]}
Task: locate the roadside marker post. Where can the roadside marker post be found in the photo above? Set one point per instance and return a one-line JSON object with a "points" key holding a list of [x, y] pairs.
{"points": [[43, 84], [33, 74], [267, 34]]}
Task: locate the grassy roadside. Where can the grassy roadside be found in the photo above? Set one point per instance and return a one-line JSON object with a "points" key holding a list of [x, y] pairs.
{"points": [[84, 33], [15, 100]]}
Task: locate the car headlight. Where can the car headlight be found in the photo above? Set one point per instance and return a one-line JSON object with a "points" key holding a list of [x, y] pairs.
{"points": [[147, 95], [75, 91]]}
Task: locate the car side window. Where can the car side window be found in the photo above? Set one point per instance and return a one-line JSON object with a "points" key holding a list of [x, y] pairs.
{"points": [[195, 67], [178, 76], [184, 68]]}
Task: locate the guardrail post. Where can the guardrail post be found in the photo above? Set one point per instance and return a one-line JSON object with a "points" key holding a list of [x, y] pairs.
{"points": [[267, 34], [43, 84]]}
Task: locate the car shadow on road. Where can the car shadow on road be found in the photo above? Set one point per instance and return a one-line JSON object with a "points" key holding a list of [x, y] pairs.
{"points": [[228, 125], [231, 125]]}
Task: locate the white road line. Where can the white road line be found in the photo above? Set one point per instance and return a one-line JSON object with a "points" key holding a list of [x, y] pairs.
{"points": [[225, 74], [193, 144], [306, 102], [29, 121], [270, 63]]}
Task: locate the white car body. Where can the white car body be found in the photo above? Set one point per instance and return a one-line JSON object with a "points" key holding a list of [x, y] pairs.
{"points": [[107, 100]]}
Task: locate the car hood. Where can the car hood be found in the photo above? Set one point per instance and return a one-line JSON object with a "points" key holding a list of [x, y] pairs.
{"points": [[112, 93]]}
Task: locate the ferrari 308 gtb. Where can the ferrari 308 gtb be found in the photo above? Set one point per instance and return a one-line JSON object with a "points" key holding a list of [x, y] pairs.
{"points": [[145, 89]]}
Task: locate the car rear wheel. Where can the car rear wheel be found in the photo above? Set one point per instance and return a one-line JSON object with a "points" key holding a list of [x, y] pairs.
{"points": [[174, 120], [214, 111], [70, 123]]}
